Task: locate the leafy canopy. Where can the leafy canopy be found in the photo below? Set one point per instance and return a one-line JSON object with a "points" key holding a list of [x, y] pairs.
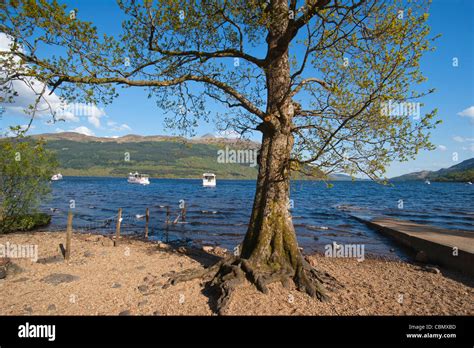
{"points": [[349, 58]]}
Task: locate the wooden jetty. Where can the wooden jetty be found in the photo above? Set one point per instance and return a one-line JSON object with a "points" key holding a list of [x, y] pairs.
{"points": [[453, 249]]}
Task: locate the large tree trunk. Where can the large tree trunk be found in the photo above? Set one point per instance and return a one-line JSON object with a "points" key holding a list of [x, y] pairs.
{"points": [[270, 244], [270, 240], [270, 251]]}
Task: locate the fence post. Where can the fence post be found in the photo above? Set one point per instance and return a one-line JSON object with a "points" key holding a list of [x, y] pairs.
{"points": [[117, 228], [183, 212], [67, 253], [167, 214], [147, 221]]}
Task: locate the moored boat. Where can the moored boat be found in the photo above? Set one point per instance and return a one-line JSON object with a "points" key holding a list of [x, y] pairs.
{"points": [[137, 178], [57, 177], [209, 179]]}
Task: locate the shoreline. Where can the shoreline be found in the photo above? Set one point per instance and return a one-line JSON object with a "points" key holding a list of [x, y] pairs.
{"points": [[398, 252], [390, 182], [127, 279]]}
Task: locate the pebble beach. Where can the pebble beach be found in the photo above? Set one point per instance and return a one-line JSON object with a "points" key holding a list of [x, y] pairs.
{"points": [[128, 279]]}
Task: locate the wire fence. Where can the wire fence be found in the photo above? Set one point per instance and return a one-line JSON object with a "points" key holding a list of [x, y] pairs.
{"points": [[130, 224]]}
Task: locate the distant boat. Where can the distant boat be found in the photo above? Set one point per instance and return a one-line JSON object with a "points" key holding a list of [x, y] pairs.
{"points": [[136, 178], [469, 183], [209, 179], [427, 182], [57, 177]]}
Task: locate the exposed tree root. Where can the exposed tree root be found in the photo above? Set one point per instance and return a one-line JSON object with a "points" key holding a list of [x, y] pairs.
{"points": [[314, 282], [228, 273]]}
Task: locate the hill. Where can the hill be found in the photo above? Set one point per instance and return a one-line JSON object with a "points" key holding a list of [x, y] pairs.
{"points": [[158, 156], [462, 172]]}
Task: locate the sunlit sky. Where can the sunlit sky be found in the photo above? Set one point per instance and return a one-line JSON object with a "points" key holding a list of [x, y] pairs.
{"points": [[133, 113]]}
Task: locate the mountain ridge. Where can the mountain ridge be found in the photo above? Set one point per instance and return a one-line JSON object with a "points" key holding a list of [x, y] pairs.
{"points": [[462, 172], [74, 136]]}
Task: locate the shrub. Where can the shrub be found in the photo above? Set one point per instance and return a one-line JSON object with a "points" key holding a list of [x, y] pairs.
{"points": [[25, 170]]}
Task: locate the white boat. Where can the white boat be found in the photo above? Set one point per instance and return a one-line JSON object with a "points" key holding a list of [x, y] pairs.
{"points": [[469, 183], [209, 179], [136, 178], [427, 182], [57, 177]]}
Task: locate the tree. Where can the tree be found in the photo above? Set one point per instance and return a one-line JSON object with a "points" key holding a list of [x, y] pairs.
{"points": [[25, 170], [313, 77]]}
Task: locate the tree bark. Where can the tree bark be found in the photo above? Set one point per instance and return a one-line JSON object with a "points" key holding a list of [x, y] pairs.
{"points": [[270, 241], [270, 250]]}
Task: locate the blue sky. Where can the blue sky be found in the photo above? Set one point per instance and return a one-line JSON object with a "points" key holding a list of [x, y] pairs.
{"points": [[133, 113]]}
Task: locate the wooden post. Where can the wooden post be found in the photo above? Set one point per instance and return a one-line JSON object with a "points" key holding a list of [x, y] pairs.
{"points": [[183, 212], [117, 229], [68, 235], [167, 215], [147, 221]]}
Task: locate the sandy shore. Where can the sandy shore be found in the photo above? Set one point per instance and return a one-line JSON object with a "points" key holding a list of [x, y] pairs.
{"points": [[101, 279]]}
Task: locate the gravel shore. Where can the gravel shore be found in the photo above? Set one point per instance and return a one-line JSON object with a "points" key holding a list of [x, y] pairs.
{"points": [[127, 279]]}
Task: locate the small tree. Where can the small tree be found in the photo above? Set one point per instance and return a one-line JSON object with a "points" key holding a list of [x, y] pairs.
{"points": [[312, 76], [25, 170]]}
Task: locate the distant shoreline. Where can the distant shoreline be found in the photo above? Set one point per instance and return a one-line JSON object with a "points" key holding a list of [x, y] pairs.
{"points": [[247, 179]]}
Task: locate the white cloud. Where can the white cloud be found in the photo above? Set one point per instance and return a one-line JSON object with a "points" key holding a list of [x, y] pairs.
{"points": [[442, 147], [469, 112], [29, 88], [114, 126], [95, 115], [470, 148], [228, 134], [460, 139], [94, 121], [27, 94], [83, 130]]}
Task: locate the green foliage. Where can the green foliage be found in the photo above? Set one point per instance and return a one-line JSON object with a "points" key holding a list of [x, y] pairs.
{"points": [[367, 58], [24, 222], [25, 170]]}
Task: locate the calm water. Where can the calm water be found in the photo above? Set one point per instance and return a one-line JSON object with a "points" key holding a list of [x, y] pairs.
{"points": [[220, 215]]}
